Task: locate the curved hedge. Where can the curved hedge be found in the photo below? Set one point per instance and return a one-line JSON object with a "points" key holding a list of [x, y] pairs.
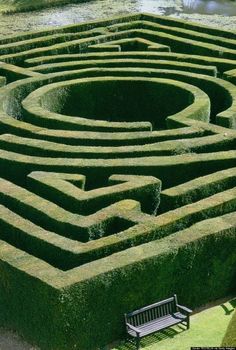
{"points": [[117, 174]]}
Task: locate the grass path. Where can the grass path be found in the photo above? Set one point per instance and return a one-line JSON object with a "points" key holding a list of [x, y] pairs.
{"points": [[207, 328]]}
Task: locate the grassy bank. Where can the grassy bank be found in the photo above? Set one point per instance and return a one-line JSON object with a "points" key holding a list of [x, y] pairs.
{"points": [[29, 5], [230, 336], [207, 329]]}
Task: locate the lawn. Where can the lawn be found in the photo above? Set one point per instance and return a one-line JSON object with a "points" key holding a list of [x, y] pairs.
{"points": [[207, 328]]}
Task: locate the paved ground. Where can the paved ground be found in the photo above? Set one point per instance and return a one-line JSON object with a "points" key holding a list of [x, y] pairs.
{"points": [[11, 341]]}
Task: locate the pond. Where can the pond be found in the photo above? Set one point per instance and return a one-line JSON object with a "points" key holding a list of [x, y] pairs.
{"points": [[220, 7], [214, 12]]}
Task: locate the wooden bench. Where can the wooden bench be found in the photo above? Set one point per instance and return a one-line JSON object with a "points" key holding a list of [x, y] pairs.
{"points": [[156, 317]]}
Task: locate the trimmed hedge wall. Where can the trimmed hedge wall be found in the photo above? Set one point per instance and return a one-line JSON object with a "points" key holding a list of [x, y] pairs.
{"points": [[175, 264], [117, 174], [176, 267]]}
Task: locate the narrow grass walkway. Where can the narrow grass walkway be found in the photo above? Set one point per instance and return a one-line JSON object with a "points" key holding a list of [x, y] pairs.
{"points": [[207, 328]]}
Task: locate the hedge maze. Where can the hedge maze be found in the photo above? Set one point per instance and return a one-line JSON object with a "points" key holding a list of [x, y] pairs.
{"points": [[118, 174]]}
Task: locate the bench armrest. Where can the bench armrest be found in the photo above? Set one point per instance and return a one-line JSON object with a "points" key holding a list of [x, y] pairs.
{"points": [[133, 328], [184, 308]]}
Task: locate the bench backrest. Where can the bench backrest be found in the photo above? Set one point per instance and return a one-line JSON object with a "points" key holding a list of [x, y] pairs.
{"points": [[152, 312]]}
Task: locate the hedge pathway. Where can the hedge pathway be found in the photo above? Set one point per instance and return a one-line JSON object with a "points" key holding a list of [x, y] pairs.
{"points": [[118, 174]]}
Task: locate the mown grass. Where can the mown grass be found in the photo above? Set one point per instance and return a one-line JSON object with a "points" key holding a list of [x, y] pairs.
{"points": [[207, 328], [230, 336]]}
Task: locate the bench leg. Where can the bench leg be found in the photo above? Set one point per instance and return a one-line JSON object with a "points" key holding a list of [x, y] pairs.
{"points": [[137, 343], [188, 322]]}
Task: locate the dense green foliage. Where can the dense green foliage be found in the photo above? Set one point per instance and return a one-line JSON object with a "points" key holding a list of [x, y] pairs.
{"points": [[117, 174], [175, 264]]}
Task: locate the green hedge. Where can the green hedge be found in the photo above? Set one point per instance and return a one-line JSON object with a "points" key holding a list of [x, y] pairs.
{"points": [[197, 189], [63, 307], [221, 64], [175, 268], [117, 174], [25, 220]]}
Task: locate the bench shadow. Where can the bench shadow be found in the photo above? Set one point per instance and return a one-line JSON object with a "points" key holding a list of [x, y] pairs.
{"points": [[153, 338], [229, 311]]}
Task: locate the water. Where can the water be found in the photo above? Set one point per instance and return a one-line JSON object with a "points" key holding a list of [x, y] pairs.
{"points": [[220, 7], [74, 13]]}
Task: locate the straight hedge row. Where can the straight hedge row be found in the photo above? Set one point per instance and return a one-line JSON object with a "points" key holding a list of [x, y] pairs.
{"points": [[62, 299]]}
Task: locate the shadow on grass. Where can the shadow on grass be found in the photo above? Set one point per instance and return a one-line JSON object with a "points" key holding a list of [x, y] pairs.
{"points": [[231, 310], [152, 339]]}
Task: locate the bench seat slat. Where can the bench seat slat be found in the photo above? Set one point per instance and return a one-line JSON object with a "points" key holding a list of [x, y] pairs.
{"points": [[159, 324], [177, 316]]}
